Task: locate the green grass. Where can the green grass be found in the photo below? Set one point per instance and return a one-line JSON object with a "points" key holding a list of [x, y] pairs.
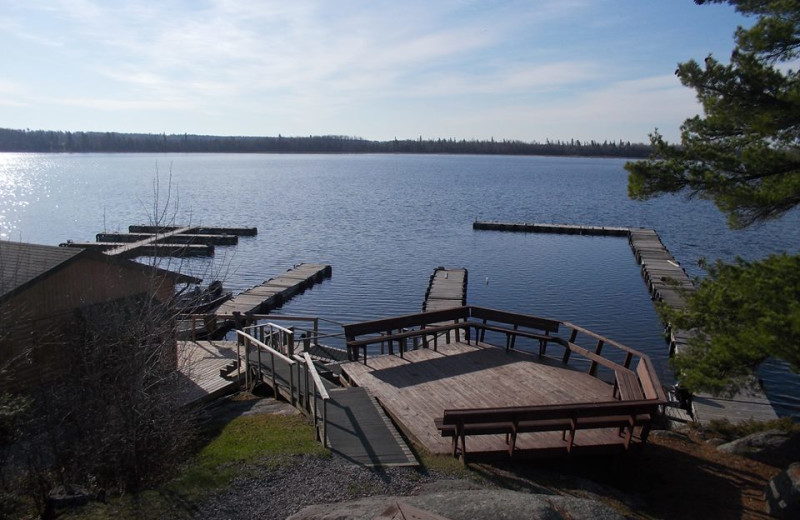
{"points": [[731, 431], [244, 445]]}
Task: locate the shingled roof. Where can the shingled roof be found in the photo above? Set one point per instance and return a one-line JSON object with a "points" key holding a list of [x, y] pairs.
{"points": [[23, 264]]}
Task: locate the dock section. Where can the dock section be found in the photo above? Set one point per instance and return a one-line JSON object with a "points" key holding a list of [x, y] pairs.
{"points": [[274, 292], [667, 282], [447, 288], [527, 227], [178, 241]]}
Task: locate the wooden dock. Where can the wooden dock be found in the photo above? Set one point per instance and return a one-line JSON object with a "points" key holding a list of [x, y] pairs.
{"points": [[447, 288], [417, 388], [176, 241], [526, 227], [274, 292], [667, 282]]}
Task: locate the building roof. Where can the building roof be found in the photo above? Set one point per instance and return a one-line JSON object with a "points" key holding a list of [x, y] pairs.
{"points": [[22, 265]]}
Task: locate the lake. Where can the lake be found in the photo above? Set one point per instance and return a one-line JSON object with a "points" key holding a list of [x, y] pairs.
{"points": [[384, 222]]}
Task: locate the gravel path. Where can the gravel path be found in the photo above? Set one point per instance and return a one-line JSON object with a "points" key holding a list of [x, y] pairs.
{"points": [[277, 492]]}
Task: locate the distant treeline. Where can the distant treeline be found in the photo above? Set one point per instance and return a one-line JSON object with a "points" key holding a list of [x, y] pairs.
{"points": [[92, 142]]}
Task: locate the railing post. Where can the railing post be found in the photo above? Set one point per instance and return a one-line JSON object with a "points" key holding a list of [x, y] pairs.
{"points": [[260, 375], [597, 350], [274, 380], [238, 365], [291, 386], [290, 342], [246, 362], [324, 423], [628, 359], [316, 331], [572, 337]]}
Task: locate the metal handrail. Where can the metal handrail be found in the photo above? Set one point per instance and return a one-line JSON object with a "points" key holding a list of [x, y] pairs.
{"points": [[247, 339], [320, 391]]}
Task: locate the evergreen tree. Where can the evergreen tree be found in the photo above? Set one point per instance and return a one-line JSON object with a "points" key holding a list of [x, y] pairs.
{"points": [[743, 154]]}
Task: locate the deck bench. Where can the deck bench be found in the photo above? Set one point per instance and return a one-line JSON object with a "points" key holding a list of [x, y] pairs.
{"points": [[627, 386], [568, 419]]}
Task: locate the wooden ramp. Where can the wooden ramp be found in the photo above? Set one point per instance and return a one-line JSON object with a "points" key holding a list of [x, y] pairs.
{"points": [[274, 292], [447, 288], [360, 431]]}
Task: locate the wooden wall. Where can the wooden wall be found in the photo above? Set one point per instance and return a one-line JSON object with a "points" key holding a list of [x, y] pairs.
{"points": [[37, 324]]}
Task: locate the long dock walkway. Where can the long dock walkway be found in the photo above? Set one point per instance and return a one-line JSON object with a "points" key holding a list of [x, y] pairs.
{"points": [[274, 292], [666, 281], [447, 289], [164, 241]]}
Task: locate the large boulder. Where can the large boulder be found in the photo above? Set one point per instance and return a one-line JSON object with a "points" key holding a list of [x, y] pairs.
{"points": [[774, 447], [466, 505], [783, 493]]}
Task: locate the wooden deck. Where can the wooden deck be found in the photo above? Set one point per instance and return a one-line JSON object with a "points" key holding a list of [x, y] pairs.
{"points": [[417, 389], [199, 367], [276, 291], [447, 289]]}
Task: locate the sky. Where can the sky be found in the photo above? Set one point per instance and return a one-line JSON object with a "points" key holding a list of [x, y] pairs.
{"points": [[523, 70]]}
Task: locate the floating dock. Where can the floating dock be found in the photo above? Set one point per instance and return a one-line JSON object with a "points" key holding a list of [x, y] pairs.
{"points": [[178, 241], [667, 282], [526, 227], [274, 292], [447, 288]]}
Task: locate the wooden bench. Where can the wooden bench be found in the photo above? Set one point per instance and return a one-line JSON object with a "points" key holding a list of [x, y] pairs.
{"points": [[568, 419], [627, 386], [429, 322], [546, 326]]}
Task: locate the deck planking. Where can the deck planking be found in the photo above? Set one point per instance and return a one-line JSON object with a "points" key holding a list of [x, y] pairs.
{"points": [[274, 292], [416, 390], [447, 288], [199, 370]]}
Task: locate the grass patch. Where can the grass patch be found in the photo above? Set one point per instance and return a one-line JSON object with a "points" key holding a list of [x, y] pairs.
{"points": [[244, 444], [731, 431], [446, 464]]}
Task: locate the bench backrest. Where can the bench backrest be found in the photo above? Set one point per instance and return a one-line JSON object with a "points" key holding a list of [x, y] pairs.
{"points": [[512, 318], [545, 412], [648, 386], [402, 322]]}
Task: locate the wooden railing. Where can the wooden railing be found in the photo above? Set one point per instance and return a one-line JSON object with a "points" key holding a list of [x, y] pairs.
{"points": [[277, 337], [314, 392], [276, 358], [427, 329]]}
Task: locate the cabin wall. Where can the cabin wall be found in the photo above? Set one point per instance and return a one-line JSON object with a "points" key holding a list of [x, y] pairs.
{"points": [[38, 324]]}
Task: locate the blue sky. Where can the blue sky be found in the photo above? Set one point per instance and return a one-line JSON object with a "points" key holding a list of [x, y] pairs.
{"points": [[528, 70]]}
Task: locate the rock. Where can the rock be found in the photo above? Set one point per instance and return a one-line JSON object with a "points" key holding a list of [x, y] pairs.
{"points": [[66, 496], [773, 447], [783, 493], [669, 434], [716, 442], [467, 505]]}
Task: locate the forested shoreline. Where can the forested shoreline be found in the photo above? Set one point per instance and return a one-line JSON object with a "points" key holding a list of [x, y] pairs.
{"points": [[47, 141]]}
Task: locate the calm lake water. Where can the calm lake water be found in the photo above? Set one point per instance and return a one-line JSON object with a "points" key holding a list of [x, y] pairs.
{"points": [[384, 222]]}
